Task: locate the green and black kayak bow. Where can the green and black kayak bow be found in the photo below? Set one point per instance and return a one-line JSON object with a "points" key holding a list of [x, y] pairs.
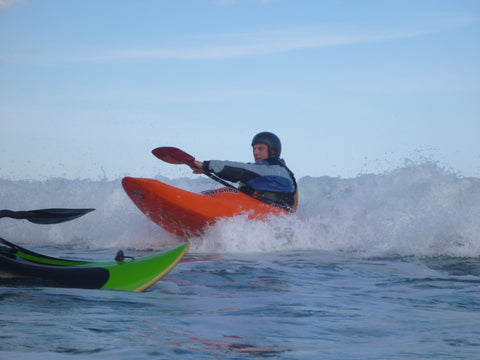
{"points": [[20, 266]]}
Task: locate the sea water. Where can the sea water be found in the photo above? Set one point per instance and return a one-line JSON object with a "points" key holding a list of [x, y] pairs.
{"points": [[383, 266]]}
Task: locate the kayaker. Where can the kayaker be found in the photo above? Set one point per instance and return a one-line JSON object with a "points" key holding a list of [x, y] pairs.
{"points": [[268, 179]]}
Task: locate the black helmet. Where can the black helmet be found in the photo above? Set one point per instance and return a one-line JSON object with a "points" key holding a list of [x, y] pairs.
{"points": [[270, 139]]}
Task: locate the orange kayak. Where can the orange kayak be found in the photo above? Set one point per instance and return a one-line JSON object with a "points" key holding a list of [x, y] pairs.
{"points": [[185, 213]]}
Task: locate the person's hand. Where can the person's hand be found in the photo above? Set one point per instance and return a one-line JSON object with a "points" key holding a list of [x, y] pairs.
{"points": [[198, 169]]}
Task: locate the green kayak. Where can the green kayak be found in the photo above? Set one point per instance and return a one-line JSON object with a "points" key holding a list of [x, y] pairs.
{"points": [[21, 266]]}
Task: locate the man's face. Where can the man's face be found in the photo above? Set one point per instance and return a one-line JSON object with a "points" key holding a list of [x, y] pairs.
{"points": [[260, 152]]}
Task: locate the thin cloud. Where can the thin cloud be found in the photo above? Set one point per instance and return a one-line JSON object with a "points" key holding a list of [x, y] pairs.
{"points": [[245, 45], [271, 42], [6, 3], [241, 45], [234, 2]]}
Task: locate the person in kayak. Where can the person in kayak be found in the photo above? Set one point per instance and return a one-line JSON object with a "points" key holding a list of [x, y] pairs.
{"points": [[268, 179]]}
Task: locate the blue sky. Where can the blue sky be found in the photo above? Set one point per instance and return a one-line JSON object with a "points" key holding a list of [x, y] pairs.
{"points": [[88, 88]]}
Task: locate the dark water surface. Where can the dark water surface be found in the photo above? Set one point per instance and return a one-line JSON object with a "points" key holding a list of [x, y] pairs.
{"points": [[288, 305]]}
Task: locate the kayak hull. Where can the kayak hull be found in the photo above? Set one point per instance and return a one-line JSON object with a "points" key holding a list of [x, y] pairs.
{"points": [[185, 213], [21, 266]]}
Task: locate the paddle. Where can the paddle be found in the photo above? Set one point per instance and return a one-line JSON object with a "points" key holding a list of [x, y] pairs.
{"points": [[173, 155], [45, 216]]}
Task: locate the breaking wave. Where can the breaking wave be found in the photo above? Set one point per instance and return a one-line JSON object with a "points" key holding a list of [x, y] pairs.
{"points": [[418, 210]]}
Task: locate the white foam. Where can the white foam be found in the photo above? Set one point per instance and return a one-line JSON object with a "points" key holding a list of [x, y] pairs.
{"points": [[416, 210]]}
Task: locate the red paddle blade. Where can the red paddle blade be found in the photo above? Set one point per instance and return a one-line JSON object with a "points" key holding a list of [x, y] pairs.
{"points": [[173, 155]]}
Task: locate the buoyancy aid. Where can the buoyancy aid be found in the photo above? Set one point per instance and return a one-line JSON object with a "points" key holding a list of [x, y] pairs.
{"points": [[287, 201]]}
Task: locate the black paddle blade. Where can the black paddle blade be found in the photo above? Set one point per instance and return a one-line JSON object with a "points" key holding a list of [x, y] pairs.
{"points": [[173, 155], [46, 216]]}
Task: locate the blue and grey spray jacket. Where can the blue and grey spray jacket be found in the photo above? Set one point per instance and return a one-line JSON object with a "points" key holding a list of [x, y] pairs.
{"points": [[269, 180]]}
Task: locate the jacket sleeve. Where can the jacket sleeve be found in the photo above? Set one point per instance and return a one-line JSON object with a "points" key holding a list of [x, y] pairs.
{"points": [[232, 170], [246, 172]]}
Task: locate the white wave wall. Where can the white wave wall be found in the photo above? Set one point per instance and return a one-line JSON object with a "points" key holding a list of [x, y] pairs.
{"points": [[418, 210]]}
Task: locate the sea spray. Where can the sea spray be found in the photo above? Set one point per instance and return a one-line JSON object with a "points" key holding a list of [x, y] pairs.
{"points": [[418, 210]]}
